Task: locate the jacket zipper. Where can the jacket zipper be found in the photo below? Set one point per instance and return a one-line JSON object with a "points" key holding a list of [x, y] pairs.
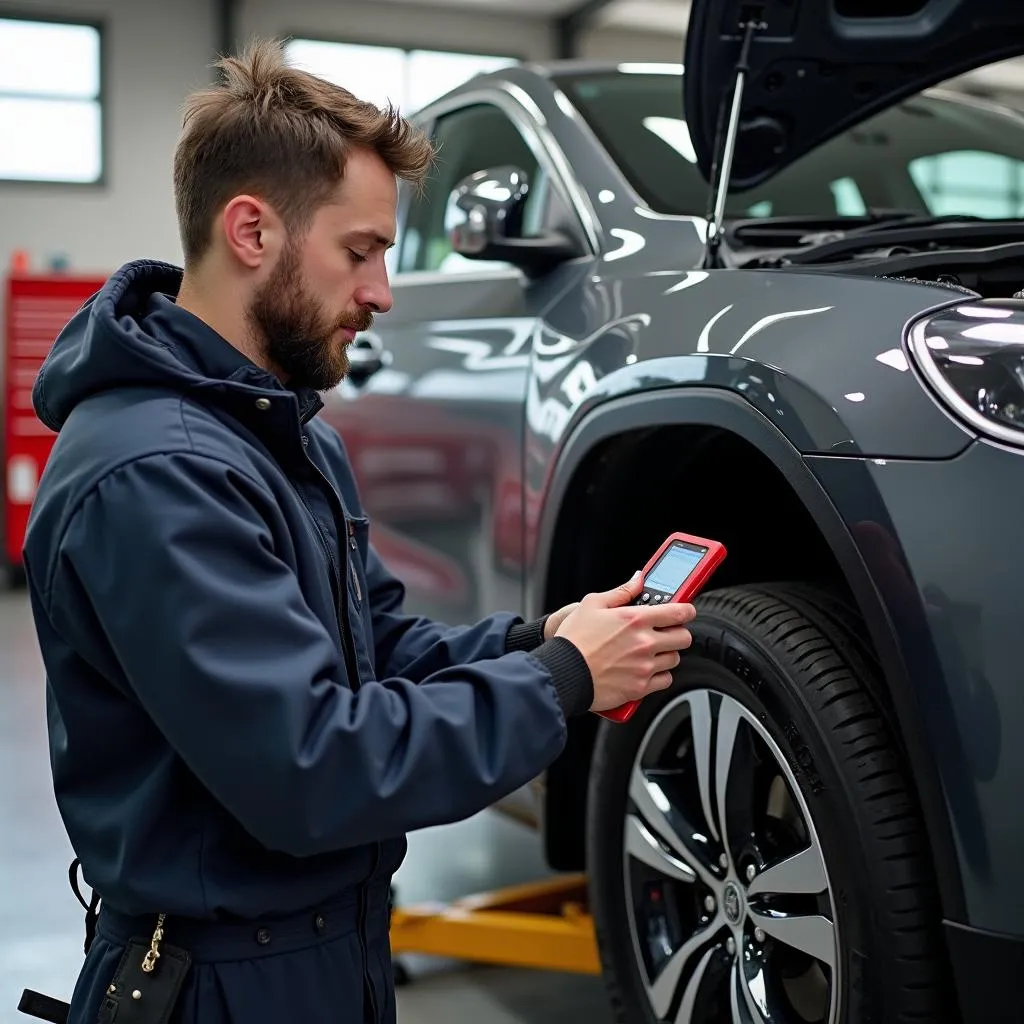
{"points": [[341, 606], [364, 892], [338, 574], [336, 578], [355, 573]]}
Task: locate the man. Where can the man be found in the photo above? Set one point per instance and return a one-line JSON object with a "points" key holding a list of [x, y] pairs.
{"points": [[243, 722]]}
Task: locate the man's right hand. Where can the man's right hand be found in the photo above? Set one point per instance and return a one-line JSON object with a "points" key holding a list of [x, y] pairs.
{"points": [[631, 649]]}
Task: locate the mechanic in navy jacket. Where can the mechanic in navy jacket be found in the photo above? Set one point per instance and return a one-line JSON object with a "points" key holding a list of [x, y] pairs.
{"points": [[243, 722]]}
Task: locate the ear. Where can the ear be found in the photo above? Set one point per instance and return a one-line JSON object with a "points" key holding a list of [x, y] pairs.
{"points": [[251, 230]]}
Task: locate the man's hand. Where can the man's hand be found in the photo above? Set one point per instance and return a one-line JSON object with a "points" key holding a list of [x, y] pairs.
{"points": [[555, 619], [631, 650]]}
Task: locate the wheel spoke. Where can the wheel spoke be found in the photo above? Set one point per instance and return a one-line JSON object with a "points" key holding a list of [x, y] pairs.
{"points": [[725, 742], [667, 981], [653, 806], [811, 933], [700, 725], [713, 763], [690, 993], [803, 873], [644, 846], [737, 1010], [758, 1010]]}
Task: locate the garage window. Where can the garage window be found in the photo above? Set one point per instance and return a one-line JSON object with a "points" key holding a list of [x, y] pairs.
{"points": [[409, 79], [51, 118]]}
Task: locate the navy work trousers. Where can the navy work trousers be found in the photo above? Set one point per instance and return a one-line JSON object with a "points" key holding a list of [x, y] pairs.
{"points": [[307, 967]]}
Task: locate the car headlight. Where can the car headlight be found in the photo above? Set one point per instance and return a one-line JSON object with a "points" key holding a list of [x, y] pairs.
{"points": [[972, 355]]}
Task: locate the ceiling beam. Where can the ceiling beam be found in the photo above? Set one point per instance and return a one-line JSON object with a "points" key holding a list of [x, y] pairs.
{"points": [[569, 27]]}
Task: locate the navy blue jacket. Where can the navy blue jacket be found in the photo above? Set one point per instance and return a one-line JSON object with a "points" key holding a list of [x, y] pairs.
{"points": [[242, 719]]}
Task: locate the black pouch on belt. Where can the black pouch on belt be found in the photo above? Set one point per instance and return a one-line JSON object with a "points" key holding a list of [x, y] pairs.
{"points": [[144, 988], [147, 982]]}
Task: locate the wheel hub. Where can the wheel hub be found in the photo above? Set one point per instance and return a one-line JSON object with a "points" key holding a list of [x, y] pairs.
{"points": [[733, 903]]}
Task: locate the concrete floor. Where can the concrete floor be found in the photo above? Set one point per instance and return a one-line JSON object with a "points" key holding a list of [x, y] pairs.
{"points": [[41, 922]]}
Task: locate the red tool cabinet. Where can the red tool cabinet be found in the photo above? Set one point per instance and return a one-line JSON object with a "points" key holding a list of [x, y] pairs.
{"points": [[36, 309]]}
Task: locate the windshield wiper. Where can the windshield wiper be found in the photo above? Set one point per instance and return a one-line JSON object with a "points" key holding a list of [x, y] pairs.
{"points": [[920, 220], [774, 232], [934, 232]]}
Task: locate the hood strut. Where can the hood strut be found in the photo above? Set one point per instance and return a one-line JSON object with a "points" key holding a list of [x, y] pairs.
{"points": [[725, 147]]}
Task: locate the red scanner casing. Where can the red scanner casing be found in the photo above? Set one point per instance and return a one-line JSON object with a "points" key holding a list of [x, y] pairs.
{"points": [[690, 588]]}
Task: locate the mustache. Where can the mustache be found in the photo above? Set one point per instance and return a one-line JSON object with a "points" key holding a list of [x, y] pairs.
{"points": [[359, 321]]}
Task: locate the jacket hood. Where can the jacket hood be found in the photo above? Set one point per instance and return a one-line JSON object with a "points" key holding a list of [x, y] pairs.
{"points": [[131, 333]]}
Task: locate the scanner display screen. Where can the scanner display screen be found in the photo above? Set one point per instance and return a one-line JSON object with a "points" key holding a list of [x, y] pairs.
{"points": [[673, 567]]}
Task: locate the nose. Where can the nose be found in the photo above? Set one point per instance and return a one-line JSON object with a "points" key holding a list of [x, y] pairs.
{"points": [[375, 295]]}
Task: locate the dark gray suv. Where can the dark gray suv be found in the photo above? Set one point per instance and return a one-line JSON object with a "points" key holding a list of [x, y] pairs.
{"points": [[774, 305]]}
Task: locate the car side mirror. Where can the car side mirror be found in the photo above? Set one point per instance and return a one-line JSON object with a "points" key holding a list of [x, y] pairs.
{"points": [[484, 221]]}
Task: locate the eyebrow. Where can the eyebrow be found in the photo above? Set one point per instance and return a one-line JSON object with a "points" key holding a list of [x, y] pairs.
{"points": [[372, 236]]}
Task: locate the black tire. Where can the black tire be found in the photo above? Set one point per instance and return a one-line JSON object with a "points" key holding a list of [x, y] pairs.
{"points": [[787, 663]]}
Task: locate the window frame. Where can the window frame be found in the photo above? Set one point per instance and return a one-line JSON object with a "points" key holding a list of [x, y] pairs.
{"points": [[102, 182]]}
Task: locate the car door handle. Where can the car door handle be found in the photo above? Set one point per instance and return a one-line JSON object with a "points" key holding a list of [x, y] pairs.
{"points": [[366, 356]]}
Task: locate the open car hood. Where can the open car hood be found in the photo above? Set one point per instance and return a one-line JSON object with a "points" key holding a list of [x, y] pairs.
{"points": [[821, 66]]}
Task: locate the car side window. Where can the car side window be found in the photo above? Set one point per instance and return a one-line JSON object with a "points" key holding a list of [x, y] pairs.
{"points": [[466, 140]]}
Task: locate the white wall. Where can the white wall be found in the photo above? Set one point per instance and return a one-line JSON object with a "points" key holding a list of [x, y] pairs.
{"points": [[158, 52]]}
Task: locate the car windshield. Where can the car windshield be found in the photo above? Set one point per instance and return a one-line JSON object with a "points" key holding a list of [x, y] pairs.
{"points": [[931, 155]]}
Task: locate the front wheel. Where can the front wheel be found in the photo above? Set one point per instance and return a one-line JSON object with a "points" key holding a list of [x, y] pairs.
{"points": [[754, 852]]}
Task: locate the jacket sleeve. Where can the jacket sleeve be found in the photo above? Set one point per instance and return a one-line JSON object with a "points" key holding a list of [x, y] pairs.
{"points": [[415, 647], [214, 638]]}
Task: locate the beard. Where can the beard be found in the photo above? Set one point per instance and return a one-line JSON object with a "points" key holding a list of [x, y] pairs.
{"points": [[297, 337]]}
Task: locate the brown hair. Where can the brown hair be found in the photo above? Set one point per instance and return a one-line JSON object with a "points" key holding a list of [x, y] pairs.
{"points": [[283, 134]]}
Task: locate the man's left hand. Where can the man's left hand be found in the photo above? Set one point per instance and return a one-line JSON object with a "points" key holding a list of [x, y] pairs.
{"points": [[555, 619]]}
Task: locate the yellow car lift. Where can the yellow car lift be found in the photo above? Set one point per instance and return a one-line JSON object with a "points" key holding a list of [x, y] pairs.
{"points": [[544, 925]]}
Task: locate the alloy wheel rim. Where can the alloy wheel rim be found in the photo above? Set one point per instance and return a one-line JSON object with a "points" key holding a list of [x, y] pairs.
{"points": [[728, 898]]}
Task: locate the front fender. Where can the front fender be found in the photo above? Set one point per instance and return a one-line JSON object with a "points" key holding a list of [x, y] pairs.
{"points": [[725, 410]]}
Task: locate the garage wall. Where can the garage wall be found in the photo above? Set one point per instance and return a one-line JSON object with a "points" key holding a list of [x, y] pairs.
{"points": [[157, 53], [98, 228]]}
